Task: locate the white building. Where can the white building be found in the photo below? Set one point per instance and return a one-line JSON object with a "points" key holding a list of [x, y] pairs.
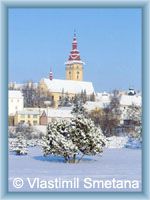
{"points": [[101, 100], [15, 102], [128, 100]]}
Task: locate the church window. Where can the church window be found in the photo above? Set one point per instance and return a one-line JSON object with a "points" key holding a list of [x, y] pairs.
{"points": [[70, 74], [77, 75]]}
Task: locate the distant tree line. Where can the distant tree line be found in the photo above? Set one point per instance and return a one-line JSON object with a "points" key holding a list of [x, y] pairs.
{"points": [[67, 100]]}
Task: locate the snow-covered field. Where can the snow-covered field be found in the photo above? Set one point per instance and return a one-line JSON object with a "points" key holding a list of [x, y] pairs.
{"points": [[114, 164]]}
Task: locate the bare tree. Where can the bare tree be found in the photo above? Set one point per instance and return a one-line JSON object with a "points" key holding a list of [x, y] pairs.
{"points": [[30, 94], [108, 118]]}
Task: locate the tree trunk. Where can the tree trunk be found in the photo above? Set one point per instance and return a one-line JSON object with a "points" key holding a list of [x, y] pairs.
{"points": [[74, 158], [80, 158]]}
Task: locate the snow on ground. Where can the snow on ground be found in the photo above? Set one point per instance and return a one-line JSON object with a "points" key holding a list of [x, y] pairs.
{"points": [[116, 142], [120, 164]]}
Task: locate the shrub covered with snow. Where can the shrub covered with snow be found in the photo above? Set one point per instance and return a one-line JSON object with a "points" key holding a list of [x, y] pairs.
{"points": [[71, 138], [18, 145], [26, 131]]}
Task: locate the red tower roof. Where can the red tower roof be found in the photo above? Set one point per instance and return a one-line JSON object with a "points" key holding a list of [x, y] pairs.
{"points": [[74, 53], [74, 56], [51, 75]]}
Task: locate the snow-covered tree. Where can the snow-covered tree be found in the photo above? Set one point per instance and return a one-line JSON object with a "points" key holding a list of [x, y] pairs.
{"points": [[19, 146], [138, 132], [86, 136], [83, 96], [78, 109], [30, 94], [57, 141], [69, 139], [134, 113], [27, 131], [92, 97], [65, 100], [134, 120]]}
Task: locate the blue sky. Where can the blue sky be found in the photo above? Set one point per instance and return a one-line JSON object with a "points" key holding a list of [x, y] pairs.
{"points": [[109, 41]]}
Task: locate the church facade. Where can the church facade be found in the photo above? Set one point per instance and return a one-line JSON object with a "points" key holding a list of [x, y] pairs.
{"points": [[73, 84]]}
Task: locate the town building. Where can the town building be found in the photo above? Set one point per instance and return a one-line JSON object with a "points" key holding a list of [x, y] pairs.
{"points": [[15, 102], [42, 116], [31, 117]]}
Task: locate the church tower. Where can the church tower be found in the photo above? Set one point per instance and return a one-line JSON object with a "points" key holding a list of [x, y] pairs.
{"points": [[74, 65]]}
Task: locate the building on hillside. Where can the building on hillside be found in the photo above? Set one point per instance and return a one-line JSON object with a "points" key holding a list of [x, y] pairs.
{"points": [[73, 84], [15, 102], [30, 116], [56, 87], [128, 100], [103, 99], [41, 116]]}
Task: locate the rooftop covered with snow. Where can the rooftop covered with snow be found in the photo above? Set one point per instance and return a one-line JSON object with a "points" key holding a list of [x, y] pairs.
{"points": [[68, 86]]}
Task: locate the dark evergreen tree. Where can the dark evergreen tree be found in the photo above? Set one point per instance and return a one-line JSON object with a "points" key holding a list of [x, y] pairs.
{"points": [[78, 109], [92, 97]]}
